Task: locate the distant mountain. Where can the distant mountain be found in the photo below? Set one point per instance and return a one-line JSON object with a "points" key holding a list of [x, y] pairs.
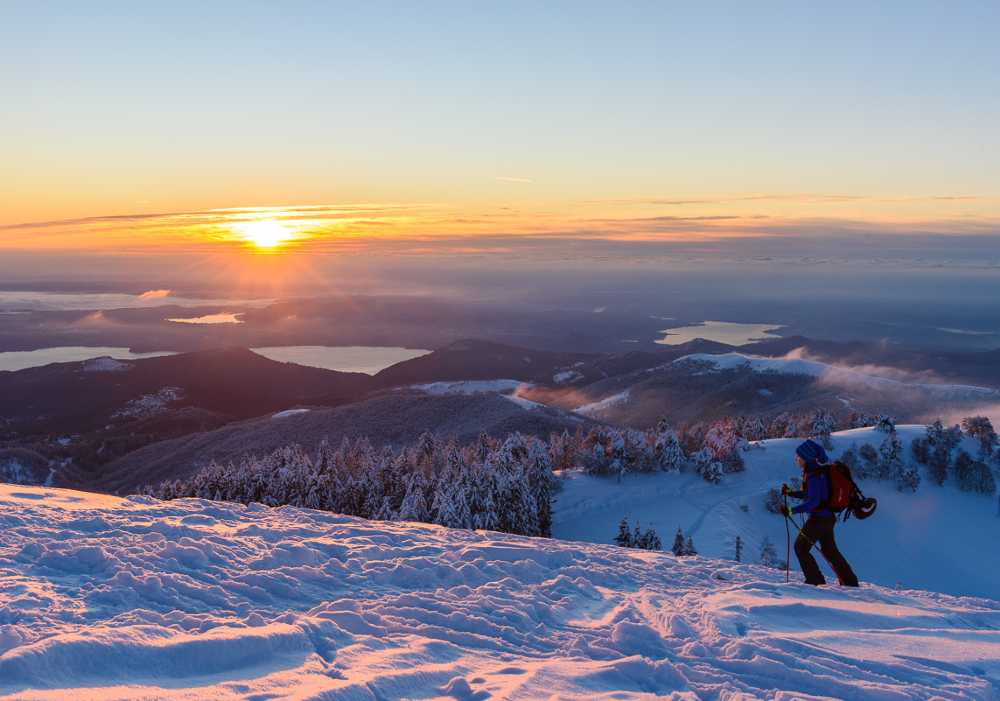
{"points": [[481, 360], [394, 417], [83, 415], [707, 386]]}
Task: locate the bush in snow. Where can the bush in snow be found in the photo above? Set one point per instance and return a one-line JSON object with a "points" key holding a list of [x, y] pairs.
{"points": [[868, 466], [973, 475], [938, 463], [921, 449], [980, 428], [773, 501], [850, 458]]}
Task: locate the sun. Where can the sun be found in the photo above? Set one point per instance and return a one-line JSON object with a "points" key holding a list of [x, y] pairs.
{"points": [[265, 234]]}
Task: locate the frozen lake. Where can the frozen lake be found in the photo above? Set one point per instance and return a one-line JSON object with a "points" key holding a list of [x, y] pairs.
{"points": [[20, 360], [735, 334], [366, 359]]}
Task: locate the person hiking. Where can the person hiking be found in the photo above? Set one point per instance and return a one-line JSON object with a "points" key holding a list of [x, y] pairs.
{"points": [[818, 528]]}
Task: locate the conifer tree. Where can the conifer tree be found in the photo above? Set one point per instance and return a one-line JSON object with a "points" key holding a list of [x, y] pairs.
{"points": [[624, 537], [689, 548], [678, 546], [768, 556], [739, 549]]}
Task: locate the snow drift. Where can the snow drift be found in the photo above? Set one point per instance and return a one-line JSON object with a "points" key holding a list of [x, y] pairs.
{"points": [[134, 598]]}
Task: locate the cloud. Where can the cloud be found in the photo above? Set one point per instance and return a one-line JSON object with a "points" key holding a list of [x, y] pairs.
{"points": [[512, 179], [154, 294]]}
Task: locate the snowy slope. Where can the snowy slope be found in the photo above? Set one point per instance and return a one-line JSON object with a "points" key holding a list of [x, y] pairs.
{"points": [[939, 538], [105, 598]]}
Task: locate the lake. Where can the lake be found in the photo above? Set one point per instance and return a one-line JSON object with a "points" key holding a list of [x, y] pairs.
{"points": [[732, 333], [20, 360], [366, 359]]}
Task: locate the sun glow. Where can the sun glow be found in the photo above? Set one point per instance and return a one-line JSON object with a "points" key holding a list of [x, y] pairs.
{"points": [[265, 234]]}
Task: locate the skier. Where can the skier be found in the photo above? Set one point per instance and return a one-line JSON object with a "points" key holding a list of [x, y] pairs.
{"points": [[818, 528]]}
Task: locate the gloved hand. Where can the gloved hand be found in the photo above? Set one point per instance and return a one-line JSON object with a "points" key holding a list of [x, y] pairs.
{"points": [[784, 490]]}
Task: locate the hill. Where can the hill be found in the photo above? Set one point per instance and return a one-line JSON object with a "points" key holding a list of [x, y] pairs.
{"points": [[932, 539], [396, 417], [705, 386], [81, 416], [139, 599]]}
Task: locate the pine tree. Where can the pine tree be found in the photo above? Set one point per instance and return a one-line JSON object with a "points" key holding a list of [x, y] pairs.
{"points": [[678, 546], [624, 537], [689, 548], [823, 424], [739, 549], [768, 556]]}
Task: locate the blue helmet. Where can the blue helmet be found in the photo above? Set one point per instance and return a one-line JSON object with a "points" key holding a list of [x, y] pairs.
{"points": [[812, 452]]}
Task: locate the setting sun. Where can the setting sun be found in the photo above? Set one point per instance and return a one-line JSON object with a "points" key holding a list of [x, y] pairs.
{"points": [[266, 234]]}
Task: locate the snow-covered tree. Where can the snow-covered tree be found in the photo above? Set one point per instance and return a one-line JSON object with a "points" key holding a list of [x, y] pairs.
{"points": [[624, 537], [689, 548], [823, 424], [981, 428], [768, 555], [886, 424], [678, 547]]}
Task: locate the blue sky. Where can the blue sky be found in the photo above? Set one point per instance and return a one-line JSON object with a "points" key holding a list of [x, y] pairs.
{"points": [[127, 107]]}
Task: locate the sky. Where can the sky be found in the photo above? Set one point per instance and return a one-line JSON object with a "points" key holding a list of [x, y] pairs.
{"points": [[338, 128]]}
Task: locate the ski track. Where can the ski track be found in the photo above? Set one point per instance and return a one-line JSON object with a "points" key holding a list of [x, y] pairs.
{"points": [[102, 598]]}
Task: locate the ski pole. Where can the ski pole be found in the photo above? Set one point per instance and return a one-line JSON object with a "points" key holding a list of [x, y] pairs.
{"points": [[788, 544]]}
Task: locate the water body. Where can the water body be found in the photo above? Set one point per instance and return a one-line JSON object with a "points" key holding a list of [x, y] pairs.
{"points": [[220, 318], [366, 359], [735, 334], [24, 301], [20, 360]]}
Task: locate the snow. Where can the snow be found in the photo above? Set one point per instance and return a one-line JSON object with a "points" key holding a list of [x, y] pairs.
{"points": [[289, 412], [105, 364], [149, 404], [566, 376], [834, 374], [936, 538], [472, 387], [109, 598], [523, 403], [597, 407]]}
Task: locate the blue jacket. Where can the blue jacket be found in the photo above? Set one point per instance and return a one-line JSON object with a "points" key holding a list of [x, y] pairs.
{"points": [[817, 491]]}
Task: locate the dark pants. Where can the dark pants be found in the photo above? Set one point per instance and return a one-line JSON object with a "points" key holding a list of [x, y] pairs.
{"points": [[819, 529]]}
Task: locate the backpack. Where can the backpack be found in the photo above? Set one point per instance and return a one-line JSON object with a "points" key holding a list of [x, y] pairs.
{"points": [[841, 485], [845, 495]]}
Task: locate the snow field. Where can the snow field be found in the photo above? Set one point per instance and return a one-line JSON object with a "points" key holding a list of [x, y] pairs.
{"points": [[938, 538], [106, 598]]}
